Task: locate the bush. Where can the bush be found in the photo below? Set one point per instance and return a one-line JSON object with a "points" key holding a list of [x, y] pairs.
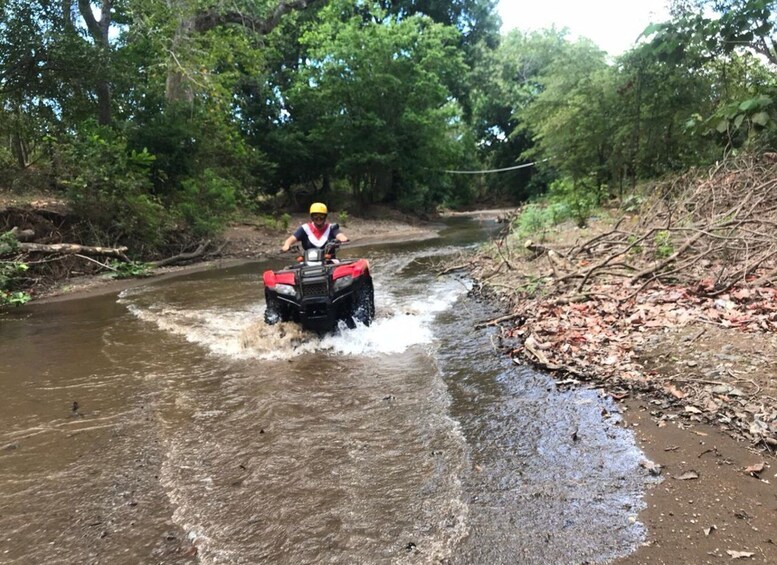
{"points": [[663, 242], [531, 221], [285, 220], [109, 187], [129, 269], [10, 271], [579, 199], [8, 167], [207, 202]]}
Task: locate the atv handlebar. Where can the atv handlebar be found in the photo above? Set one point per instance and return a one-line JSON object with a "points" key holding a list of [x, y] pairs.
{"points": [[329, 245]]}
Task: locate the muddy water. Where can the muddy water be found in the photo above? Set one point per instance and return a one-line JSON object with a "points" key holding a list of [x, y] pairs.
{"points": [[200, 435]]}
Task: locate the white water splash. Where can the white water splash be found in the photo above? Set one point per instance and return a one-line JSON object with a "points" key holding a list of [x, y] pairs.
{"points": [[402, 322]]}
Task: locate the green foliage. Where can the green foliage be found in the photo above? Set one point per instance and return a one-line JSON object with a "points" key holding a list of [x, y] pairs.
{"points": [[533, 286], [275, 222], [632, 202], [531, 221], [8, 243], [10, 271], [663, 243], [206, 203], [573, 118], [715, 28], [7, 167], [536, 218], [384, 114], [748, 116], [503, 86], [377, 97], [713, 80], [342, 217], [635, 248], [578, 199], [129, 269], [109, 186], [558, 212], [475, 19], [284, 221], [14, 298]]}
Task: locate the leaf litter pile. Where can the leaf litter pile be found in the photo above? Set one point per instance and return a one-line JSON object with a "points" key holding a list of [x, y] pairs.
{"points": [[677, 300]]}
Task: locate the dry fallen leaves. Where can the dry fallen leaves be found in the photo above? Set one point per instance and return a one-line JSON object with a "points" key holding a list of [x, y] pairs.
{"points": [[610, 294], [597, 338]]}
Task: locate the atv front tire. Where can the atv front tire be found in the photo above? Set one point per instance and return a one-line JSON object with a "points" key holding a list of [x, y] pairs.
{"points": [[365, 304], [273, 313]]}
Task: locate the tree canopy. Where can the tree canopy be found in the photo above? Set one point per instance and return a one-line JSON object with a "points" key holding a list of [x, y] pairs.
{"points": [[157, 119]]}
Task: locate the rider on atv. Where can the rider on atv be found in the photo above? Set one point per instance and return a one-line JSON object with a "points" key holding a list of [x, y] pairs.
{"points": [[317, 232], [319, 291]]}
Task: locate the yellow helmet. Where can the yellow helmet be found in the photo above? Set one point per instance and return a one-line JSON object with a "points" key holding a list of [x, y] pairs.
{"points": [[318, 208]]}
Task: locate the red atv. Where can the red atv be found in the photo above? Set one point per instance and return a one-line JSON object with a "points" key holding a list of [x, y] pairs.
{"points": [[320, 291]]}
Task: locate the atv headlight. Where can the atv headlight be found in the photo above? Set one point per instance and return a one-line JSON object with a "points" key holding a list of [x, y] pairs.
{"points": [[343, 282], [286, 289]]}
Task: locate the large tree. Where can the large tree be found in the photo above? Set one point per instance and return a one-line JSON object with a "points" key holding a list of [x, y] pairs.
{"points": [[732, 45], [375, 95], [502, 87]]}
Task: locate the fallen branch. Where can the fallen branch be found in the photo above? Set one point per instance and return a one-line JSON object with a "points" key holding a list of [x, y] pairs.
{"points": [[588, 244], [654, 269], [535, 248], [103, 265], [494, 272], [181, 257], [73, 249], [462, 267], [497, 321], [767, 278], [499, 250]]}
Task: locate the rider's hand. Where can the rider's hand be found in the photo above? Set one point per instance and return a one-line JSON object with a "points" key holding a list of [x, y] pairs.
{"points": [[284, 248]]}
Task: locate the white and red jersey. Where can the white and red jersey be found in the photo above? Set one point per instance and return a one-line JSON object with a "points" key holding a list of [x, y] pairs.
{"points": [[310, 236]]}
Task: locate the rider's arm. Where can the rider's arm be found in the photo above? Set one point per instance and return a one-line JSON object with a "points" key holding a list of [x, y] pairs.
{"points": [[291, 240], [338, 235]]}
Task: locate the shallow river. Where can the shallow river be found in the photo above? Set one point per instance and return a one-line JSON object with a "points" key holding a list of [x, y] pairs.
{"points": [[198, 434]]}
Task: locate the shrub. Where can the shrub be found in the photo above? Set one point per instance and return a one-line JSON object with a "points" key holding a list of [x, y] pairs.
{"points": [[577, 196], [129, 269], [664, 247], [285, 220], [531, 221], [109, 187], [10, 272], [207, 202]]}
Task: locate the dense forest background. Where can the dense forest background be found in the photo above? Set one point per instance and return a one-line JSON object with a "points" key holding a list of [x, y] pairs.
{"points": [[158, 119]]}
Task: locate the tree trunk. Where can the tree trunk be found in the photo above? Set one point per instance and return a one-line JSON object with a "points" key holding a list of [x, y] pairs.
{"points": [[104, 113], [99, 30], [177, 86], [19, 148]]}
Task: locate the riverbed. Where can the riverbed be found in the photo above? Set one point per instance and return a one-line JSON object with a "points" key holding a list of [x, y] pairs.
{"points": [[168, 423]]}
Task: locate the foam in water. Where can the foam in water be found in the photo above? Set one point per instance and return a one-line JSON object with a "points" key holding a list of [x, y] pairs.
{"points": [[244, 335]]}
